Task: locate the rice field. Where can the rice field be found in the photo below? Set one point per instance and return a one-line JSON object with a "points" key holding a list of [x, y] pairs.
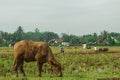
{"points": [[77, 64]]}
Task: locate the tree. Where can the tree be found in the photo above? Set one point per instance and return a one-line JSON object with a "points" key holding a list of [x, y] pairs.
{"points": [[75, 41], [37, 30], [37, 35], [95, 36], [104, 35], [1, 40], [65, 37], [5, 38], [19, 30], [111, 40], [18, 34], [47, 36], [28, 36]]}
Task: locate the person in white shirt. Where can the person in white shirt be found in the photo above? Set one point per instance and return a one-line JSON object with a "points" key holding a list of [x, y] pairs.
{"points": [[95, 48]]}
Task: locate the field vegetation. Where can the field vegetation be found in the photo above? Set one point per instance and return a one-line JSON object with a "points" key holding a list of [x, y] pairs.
{"points": [[77, 64]]}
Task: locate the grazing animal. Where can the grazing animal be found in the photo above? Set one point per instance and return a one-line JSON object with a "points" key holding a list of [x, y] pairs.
{"points": [[103, 49], [34, 51], [100, 49], [88, 47]]}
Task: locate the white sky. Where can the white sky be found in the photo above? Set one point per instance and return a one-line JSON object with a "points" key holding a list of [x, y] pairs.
{"points": [[76, 17]]}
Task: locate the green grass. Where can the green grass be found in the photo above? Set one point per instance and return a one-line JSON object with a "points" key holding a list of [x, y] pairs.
{"points": [[77, 64]]}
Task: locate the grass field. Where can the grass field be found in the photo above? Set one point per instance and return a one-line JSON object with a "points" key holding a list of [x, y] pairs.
{"points": [[77, 64]]}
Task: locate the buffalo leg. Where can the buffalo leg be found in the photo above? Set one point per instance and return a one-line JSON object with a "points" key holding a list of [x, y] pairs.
{"points": [[39, 64], [21, 69], [16, 65], [16, 70]]}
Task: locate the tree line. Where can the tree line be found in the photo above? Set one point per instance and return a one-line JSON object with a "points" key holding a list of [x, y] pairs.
{"points": [[104, 38]]}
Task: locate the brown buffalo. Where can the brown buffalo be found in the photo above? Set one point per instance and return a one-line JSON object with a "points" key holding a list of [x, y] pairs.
{"points": [[34, 51], [100, 49], [103, 49]]}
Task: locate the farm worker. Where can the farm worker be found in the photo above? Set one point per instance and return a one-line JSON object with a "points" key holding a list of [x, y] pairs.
{"points": [[84, 46], [62, 50], [95, 48]]}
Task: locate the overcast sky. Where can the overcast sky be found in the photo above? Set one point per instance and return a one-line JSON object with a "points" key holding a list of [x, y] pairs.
{"points": [[76, 17]]}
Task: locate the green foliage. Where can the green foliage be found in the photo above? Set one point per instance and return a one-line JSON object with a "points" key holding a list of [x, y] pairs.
{"points": [[72, 39], [18, 34], [46, 36], [104, 38], [35, 36], [65, 37], [1, 41], [89, 38], [75, 41]]}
